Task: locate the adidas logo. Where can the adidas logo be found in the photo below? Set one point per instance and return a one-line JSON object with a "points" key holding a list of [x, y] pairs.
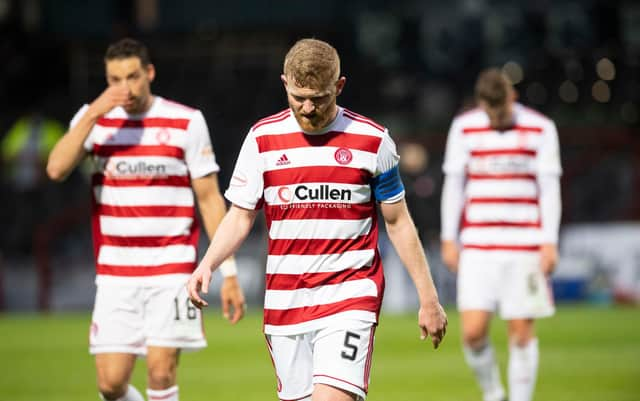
{"points": [[283, 160]]}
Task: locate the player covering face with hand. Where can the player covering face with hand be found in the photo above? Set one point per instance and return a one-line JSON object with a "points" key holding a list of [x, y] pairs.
{"points": [[319, 172], [150, 157]]}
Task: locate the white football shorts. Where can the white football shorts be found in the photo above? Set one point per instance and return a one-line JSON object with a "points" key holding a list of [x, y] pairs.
{"points": [[510, 282], [130, 318], [338, 356]]}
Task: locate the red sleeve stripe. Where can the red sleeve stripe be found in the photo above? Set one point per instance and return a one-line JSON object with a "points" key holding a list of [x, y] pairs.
{"points": [[298, 315], [307, 246], [531, 201], [169, 181], [484, 130], [147, 241], [534, 224], [283, 115], [499, 152], [360, 119], [524, 248], [365, 143], [501, 177], [139, 271], [299, 175], [145, 211], [138, 150], [356, 211], [153, 122], [313, 280]]}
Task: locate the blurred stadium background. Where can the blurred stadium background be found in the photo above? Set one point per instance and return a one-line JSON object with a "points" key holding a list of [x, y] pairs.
{"points": [[410, 65]]}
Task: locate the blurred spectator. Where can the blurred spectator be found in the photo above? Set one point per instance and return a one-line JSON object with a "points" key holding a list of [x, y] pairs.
{"points": [[24, 151]]}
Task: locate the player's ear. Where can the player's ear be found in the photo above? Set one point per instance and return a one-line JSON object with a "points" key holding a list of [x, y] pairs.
{"points": [[283, 78], [340, 85], [151, 72]]}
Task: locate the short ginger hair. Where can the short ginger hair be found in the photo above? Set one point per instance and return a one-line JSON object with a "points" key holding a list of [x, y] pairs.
{"points": [[312, 63]]}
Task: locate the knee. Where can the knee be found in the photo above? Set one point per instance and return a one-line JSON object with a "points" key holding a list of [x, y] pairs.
{"points": [[161, 377], [474, 339], [521, 333], [111, 389]]}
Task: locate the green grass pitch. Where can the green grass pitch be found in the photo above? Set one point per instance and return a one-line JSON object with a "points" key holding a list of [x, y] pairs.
{"points": [[587, 354]]}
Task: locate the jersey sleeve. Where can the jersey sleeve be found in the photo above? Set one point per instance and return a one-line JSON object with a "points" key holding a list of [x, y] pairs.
{"points": [[548, 156], [88, 143], [456, 156], [386, 183], [199, 154], [246, 186]]}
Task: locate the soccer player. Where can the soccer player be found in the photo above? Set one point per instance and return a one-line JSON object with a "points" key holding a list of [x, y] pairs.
{"points": [[150, 156], [319, 170], [502, 169]]}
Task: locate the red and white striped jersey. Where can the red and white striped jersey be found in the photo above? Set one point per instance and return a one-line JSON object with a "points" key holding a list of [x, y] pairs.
{"points": [[145, 229], [501, 194], [320, 210]]}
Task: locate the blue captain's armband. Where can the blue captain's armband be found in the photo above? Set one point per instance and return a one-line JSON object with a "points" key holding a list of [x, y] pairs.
{"points": [[387, 185]]}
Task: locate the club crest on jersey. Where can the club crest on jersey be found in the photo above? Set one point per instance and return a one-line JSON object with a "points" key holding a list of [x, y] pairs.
{"points": [[163, 136], [343, 156]]}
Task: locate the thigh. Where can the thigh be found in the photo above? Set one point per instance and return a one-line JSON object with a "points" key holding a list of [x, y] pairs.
{"points": [[117, 323], [171, 320], [292, 359], [526, 292], [342, 356], [478, 281], [113, 370]]}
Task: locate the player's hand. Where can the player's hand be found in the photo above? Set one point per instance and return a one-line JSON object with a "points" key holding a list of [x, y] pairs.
{"points": [[199, 282], [548, 258], [113, 96], [232, 297], [450, 255], [433, 322]]}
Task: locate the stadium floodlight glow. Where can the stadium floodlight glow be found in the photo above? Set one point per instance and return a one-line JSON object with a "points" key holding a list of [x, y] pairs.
{"points": [[601, 92], [568, 92], [606, 69], [513, 70]]}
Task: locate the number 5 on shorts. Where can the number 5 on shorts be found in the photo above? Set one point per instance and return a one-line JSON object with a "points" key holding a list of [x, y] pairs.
{"points": [[352, 348]]}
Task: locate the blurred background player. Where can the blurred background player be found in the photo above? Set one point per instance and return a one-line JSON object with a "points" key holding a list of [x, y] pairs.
{"points": [[502, 169], [319, 170], [149, 154]]}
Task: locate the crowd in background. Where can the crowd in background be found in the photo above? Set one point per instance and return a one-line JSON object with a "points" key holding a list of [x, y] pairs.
{"points": [[409, 64]]}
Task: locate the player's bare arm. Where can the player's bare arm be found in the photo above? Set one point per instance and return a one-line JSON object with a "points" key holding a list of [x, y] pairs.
{"points": [[450, 253], [402, 232], [548, 258], [232, 231], [212, 208], [69, 150]]}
